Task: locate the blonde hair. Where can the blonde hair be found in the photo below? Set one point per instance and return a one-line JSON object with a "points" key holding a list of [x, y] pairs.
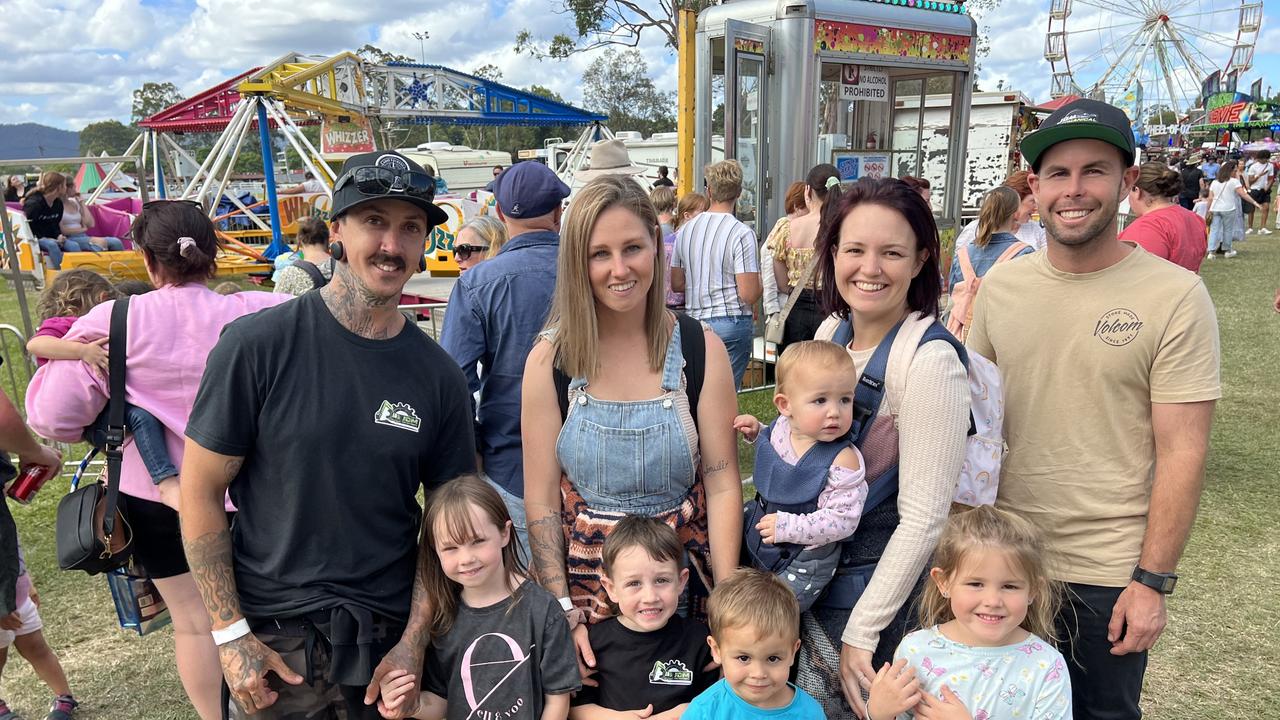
{"points": [[689, 204], [724, 181], [72, 293], [573, 309], [490, 229], [449, 507], [50, 181], [811, 353], [998, 208], [757, 600], [990, 529], [663, 199]]}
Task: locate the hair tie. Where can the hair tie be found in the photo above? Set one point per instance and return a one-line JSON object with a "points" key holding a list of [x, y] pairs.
{"points": [[185, 244], [832, 181]]}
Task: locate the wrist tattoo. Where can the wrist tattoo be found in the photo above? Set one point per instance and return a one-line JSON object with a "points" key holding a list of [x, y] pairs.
{"points": [[711, 469], [546, 545], [210, 559]]}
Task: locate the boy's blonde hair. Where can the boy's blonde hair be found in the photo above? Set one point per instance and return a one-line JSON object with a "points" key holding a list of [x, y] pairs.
{"points": [[756, 600], [664, 200], [811, 354], [724, 181], [650, 534], [986, 528]]}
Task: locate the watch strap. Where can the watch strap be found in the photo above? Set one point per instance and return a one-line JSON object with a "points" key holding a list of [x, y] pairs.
{"points": [[1163, 583]]}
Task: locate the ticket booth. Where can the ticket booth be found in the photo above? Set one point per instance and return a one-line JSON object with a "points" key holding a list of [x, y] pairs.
{"points": [[792, 83]]}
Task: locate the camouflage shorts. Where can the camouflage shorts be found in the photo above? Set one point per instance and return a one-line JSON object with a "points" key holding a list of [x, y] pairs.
{"points": [[316, 698]]}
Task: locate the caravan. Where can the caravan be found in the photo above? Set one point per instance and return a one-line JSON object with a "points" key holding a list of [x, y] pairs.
{"points": [[462, 168]]}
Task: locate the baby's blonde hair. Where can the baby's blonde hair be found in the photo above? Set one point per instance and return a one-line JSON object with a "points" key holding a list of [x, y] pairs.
{"points": [[987, 528], [821, 354], [755, 600]]}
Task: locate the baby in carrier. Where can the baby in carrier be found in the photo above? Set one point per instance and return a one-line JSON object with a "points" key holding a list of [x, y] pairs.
{"points": [[809, 477]]}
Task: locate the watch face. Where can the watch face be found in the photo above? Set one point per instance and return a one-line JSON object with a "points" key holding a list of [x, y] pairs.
{"points": [[1169, 583]]}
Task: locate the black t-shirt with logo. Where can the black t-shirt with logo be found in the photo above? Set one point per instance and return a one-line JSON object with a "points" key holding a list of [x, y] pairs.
{"points": [[43, 218], [665, 667], [338, 433]]}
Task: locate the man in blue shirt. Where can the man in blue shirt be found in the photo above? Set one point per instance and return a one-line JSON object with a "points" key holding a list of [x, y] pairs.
{"points": [[495, 313], [1210, 168]]}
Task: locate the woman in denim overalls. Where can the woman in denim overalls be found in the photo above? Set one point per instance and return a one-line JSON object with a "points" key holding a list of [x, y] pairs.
{"points": [[628, 443]]}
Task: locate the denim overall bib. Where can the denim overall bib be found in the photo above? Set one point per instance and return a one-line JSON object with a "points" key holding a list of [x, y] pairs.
{"points": [[630, 458]]}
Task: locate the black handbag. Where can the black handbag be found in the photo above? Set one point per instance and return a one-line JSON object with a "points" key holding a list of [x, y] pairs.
{"points": [[92, 534]]}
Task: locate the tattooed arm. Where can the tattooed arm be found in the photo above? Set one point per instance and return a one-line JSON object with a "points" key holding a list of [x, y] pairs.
{"points": [[540, 424], [718, 444], [207, 541]]}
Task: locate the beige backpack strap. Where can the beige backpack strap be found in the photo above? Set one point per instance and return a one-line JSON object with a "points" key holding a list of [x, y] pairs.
{"points": [[1010, 252], [900, 357], [966, 267]]}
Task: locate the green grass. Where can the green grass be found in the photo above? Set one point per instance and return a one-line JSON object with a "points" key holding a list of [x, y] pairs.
{"points": [[1218, 658]]}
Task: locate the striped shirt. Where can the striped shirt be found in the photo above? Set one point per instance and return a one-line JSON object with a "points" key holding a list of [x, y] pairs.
{"points": [[712, 248]]}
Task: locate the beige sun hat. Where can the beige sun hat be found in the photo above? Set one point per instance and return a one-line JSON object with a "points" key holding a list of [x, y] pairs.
{"points": [[608, 157]]}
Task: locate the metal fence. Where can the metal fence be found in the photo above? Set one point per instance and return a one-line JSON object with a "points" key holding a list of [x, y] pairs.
{"points": [[17, 367]]}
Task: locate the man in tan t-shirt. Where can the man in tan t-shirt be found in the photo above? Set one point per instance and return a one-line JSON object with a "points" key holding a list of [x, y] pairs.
{"points": [[1110, 362]]}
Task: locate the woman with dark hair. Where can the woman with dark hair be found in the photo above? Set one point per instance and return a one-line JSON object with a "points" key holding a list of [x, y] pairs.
{"points": [[879, 270], [171, 331], [1164, 228], [1226, 224], [314, 268], [794, 251]]}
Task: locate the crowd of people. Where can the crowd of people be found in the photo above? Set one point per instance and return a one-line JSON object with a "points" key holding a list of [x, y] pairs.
{"points": [[57, 218], [584, 551]]}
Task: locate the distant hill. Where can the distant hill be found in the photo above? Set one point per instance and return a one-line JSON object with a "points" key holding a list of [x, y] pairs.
{"points": [[31, 140]]}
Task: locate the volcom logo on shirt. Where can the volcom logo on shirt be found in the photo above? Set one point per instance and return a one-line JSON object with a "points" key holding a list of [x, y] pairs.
{"points": [[672, 672], [398, 415], [1117, 327]]}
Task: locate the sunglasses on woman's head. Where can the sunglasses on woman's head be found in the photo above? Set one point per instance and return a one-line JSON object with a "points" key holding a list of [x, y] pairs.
{"points": [[464, 252]]}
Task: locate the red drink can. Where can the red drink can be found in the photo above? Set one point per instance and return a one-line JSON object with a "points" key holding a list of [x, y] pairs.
{"points": [[24, 487]]}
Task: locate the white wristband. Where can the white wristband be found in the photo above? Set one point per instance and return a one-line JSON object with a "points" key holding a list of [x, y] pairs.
{"points": [[234, 631], [566, 604]]}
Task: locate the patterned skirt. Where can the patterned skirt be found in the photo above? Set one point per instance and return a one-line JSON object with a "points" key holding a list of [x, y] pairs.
{"points": [[586, 528]]}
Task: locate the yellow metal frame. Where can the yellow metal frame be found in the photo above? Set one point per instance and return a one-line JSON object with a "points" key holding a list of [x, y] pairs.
{"points": [[306, 85], [687, 93]]}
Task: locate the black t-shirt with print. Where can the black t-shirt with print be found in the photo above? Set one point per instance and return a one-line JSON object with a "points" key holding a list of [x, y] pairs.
{"points": [[664, 667], [501, 661], [338, 433], [43, 218]]}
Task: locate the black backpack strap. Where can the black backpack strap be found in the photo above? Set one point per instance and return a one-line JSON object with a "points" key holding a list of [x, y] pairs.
{"points": [[117, 343], [693, 346], [317, 278], [562, 390]]}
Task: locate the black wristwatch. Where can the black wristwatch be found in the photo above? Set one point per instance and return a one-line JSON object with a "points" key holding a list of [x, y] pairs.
{"points": [[1162, 583]]}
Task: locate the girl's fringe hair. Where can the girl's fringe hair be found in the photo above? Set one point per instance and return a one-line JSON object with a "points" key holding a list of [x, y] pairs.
{"points": [[449, 510], [72, 293], [986, 528]]}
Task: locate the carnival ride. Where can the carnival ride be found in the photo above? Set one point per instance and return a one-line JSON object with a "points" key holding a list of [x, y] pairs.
{"points": [[1149, 57]]}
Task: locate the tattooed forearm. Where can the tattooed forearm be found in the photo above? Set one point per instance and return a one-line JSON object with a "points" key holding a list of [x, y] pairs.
{"points": [[546, 545], [711, 469], [210, 559]]}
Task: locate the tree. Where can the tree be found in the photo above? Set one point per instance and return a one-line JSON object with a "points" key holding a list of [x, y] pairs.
{"points": [[376, 55], [488, 71], [609, 22], [151, 98], [111, 136], [617, 84]]}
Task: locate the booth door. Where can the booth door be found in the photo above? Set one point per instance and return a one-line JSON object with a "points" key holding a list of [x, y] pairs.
{"points": [[745, 107]]}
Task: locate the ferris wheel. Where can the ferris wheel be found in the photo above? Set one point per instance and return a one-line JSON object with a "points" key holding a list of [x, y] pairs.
{"points": [[1148, 56]]}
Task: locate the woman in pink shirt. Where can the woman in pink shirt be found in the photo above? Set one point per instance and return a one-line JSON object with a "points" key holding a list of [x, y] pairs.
{"points": [[171, 332], [1164, 227]]}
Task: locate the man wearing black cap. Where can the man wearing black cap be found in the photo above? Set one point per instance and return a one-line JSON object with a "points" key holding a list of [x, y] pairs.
{"points": [[496, 311], [324, 417], [1110, 364]]}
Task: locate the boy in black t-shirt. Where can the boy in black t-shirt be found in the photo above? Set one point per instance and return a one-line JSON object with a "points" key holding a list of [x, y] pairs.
{"points": [[647, 657]]}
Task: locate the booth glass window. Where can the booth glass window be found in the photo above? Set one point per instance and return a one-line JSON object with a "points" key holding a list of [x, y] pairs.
{"points": [[750, 77], [924, 109], [717, 87]]}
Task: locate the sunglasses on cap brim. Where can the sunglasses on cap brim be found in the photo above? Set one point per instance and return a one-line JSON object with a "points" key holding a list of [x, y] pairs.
{"points": [[464, 252], [379, 181]]}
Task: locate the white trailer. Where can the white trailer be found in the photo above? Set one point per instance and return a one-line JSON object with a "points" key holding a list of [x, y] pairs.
{"points": [[997, 122]]}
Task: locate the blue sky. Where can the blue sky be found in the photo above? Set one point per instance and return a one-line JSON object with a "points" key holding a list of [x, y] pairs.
{"points": [[72, 62]]}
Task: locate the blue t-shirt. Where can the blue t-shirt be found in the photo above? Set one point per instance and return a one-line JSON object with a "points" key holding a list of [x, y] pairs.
{"points": [[720, 702]]}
